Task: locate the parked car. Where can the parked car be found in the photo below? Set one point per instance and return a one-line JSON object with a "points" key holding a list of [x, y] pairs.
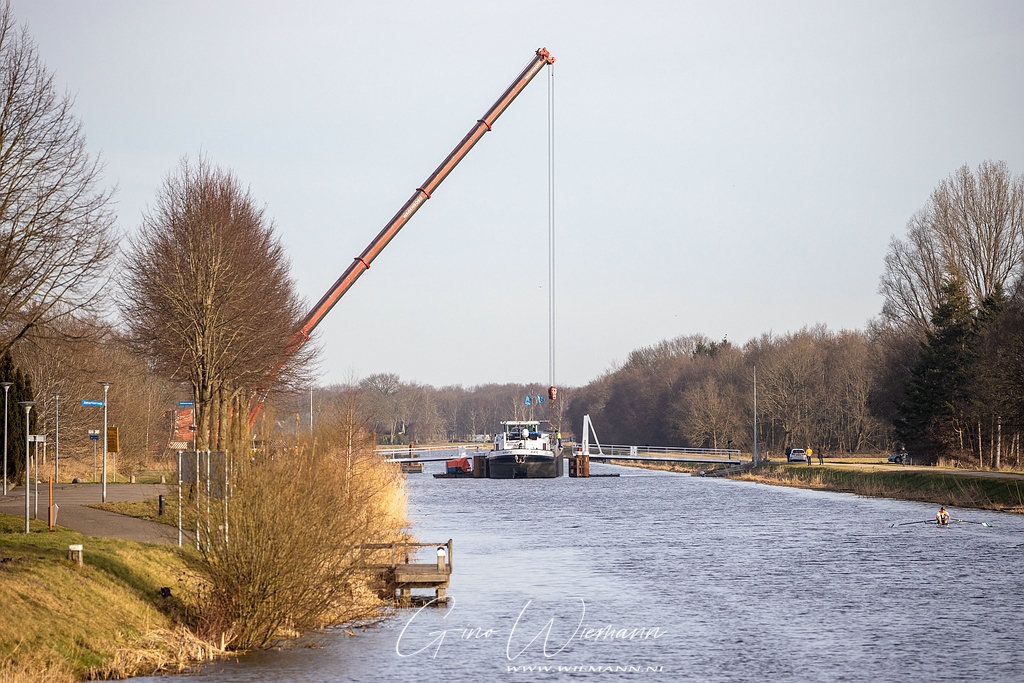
{"points": [[797, 455], [900, 458]]}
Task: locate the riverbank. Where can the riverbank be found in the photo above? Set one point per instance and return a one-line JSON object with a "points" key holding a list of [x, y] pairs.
{"points": [[983, 490], [943, 487], [106, 619]]}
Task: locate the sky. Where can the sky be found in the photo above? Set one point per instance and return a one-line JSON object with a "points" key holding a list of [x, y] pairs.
{"points": [[723, 168]]}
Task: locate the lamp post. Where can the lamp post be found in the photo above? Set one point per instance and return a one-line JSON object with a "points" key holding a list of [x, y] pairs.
{"points": [[103, 438], [56, 437], [7, 389], [28, 409]]}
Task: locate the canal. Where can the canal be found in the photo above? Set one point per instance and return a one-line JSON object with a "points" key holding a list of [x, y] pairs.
{"points": [[665, 577]]}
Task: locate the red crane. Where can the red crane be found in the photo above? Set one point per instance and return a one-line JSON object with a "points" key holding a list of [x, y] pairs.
{"points": [[362, 262]]}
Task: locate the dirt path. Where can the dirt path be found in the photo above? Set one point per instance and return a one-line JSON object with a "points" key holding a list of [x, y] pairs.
{"points": [[72, 500]]}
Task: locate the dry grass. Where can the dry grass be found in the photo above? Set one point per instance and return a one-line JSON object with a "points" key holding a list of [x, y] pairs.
{"points": [[934, 487], [290, 561], [150, 510], [106, 619]]}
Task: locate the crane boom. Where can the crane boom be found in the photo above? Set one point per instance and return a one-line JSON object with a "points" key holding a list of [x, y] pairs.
{"points": [[362, 262]]}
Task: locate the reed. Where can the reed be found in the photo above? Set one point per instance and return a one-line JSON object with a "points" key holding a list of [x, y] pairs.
{"points": [[290, 559]]}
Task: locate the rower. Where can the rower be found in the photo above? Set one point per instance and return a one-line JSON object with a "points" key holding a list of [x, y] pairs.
{"points": [[942, 518]]}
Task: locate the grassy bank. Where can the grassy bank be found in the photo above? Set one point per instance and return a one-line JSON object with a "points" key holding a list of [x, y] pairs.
{"points": [[106, 619], [988, 493], [149, 510]]}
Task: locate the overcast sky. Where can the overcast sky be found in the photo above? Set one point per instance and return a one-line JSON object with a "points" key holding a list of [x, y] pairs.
{"points": [[722, 168]]}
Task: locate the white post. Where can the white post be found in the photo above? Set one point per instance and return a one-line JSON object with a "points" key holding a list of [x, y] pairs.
{"points": [[196, 454], [35, 466], [103, 438], [586, 435], [224, 493], [7, 388], [28, 409], [56, 437], [208, 491], [179, 499], [754, 454]]}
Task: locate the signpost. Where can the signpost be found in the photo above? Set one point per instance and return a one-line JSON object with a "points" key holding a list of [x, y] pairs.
{"points": [[94, 436], [36, 439], [114, 447]]}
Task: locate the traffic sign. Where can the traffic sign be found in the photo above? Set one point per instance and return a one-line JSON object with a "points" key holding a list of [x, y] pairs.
{"points": [[186, 404], [97, 404]]}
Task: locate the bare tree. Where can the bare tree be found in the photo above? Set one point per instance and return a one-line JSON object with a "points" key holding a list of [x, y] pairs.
{"points": [[208, 296], [55, 223], [707, 412], [972, 228]]}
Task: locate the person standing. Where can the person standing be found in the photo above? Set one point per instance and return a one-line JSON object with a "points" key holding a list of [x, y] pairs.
{"points": [[821, 457], [809, 453]]}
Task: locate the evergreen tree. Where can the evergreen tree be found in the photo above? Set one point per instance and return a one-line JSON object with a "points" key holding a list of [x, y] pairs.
{"points": [[990, 385], [932, 417], [21, 390]]}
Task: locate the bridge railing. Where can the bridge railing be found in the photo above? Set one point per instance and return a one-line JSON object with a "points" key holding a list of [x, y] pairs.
{"points": [[391, 554], [451, 451], [606, 450]]}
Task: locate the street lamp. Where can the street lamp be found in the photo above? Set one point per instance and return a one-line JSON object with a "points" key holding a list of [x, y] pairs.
{"points": [[56, 438], [7, 388], [103, 438], [28, 409]]}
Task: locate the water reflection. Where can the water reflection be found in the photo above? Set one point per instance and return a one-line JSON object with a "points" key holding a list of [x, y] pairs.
{"points": [[655, 576]]}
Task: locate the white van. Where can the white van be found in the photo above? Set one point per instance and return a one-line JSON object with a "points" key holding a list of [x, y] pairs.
{"points": [[797, 455]]}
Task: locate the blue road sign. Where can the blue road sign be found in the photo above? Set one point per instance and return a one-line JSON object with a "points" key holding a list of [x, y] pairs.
{"points": [[94, 437], [186, 404], [97, 404]]}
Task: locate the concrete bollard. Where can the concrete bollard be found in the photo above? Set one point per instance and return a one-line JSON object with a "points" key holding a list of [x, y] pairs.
{"points": [[75, 554]]}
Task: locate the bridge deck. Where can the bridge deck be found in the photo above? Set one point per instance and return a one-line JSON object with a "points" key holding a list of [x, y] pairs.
{"points": [[666, 458]]}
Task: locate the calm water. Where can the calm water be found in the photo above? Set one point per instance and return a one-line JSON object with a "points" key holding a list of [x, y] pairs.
{"points": [[714, 580]]}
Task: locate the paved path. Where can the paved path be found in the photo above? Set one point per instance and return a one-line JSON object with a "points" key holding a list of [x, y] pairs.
{"points": [[885, 467], [73, 498]]}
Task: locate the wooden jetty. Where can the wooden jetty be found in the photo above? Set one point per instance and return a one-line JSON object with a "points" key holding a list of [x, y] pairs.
{"points": [[396, 573]]}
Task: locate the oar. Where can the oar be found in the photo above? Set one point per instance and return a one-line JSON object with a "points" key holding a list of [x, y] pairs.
{"points": [[922, 521], [967, 521]]}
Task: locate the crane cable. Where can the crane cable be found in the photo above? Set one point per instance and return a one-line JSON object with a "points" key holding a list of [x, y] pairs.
{"points": [[551, 224]]}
